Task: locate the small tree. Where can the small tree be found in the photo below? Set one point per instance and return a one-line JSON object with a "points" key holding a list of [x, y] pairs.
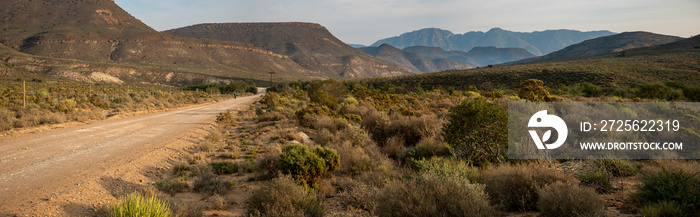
{"points": [[477, 131]]}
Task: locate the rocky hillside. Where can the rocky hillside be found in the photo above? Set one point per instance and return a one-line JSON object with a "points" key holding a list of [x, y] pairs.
{"points": [[413, 61], [603, 45], [21, 65], [310, 45], [537, 43], [100, 31]]}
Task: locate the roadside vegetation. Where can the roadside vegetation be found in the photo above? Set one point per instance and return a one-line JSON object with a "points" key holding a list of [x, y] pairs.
{"points": [[331, 148], [47, 102]]}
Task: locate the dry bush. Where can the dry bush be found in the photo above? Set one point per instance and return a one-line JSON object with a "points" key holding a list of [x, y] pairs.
{"points": [[173, 186], [268, 165], [325, 189], [326, 122], [198, 158], [180, 167], [407, 127], [293, 136], [283, 197], [450, 167], [211, 184], [353, 159], [360, 196], [325, 137], [7, 118], [429, 147], [569, 199], [515, 187], [356, 109], [356, 135], [431, 194], [218, 202], [394, 147], [181, 208], [376, 124]]}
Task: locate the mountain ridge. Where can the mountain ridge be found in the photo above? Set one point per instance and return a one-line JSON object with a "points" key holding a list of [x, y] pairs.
{"points": [[604, 45], [537, 43], [417, 63]]}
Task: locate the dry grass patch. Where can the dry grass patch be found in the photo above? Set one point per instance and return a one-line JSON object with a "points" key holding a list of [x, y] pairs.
{"points": [[516, 187], [431, 194], [569, 199], [283, 197]]}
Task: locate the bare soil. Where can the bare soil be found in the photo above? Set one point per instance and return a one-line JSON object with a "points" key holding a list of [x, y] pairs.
{"points": [[77, 170]]}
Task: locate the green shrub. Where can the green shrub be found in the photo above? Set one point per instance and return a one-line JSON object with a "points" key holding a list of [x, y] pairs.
{"points": [[322, 98], [308, 165], [678, 185], [590, 90], [137, 205], [477, 131], [619, 167], [516, 187], [224, 167], [351, 101], [658, 91], [533, 90], [663, 209], [270, 99], [66, 105], [597, 178], [692, 93], [433, 194], [282, 197], [569, 199], [252, 89]]}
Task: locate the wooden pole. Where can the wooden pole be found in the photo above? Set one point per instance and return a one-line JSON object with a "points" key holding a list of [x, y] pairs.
{"points": [[24, 97]]}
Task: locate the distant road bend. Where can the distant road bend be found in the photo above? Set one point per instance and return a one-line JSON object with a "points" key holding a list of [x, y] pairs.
{"points": [[36, 165]]}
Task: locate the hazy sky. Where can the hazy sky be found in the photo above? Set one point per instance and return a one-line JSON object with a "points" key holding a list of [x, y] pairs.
{"points": [[366, 21]]}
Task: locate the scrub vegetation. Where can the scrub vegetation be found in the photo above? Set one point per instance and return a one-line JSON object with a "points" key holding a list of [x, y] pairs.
{"points": [[331, 148]]}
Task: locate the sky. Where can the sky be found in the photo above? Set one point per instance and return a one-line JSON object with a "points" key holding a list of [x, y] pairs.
{"points": [[366, 21]]}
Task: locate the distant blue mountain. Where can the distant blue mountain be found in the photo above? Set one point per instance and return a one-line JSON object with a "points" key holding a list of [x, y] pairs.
{"points": [[537, 43], [357, 45]]}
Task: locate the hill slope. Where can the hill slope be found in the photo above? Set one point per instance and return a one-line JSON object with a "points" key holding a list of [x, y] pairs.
{"points": [[603, 45], [413, 61], [538, 43], [310, 45]]}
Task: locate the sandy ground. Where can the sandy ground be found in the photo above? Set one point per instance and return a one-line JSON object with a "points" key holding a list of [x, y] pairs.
{"points": [[76, 170]]}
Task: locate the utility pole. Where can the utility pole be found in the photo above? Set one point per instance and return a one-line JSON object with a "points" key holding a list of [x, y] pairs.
{"points": [[271, 73], [24, 95]]}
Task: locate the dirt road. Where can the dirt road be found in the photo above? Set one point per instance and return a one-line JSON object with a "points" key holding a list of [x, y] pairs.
{"points": [[37, 170]]}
